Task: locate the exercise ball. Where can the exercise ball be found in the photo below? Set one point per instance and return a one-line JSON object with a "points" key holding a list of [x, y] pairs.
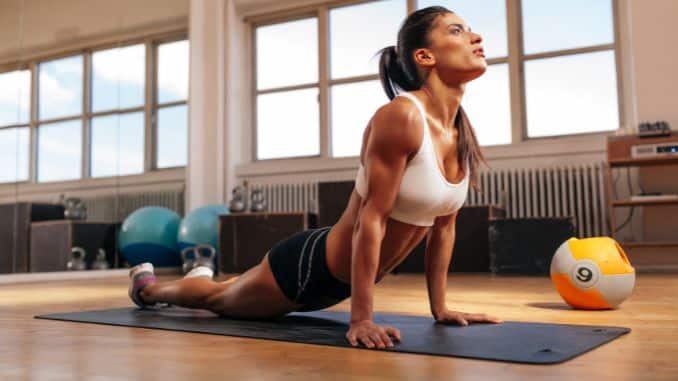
{"points": [[149, 234], [201, 227], [592, 273]]}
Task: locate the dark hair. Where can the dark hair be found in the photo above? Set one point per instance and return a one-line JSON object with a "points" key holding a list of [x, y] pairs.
{"points": [[398, 71]]}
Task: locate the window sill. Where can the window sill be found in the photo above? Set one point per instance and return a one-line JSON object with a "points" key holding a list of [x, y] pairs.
{"points": [[165, 178]]}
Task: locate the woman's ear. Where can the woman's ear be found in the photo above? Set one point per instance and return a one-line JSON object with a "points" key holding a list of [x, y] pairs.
{"points": [[424, 57]]}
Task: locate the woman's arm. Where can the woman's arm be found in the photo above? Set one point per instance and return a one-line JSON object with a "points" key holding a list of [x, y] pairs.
{"points": [[439, 245], [393, 137], [438, 255]]}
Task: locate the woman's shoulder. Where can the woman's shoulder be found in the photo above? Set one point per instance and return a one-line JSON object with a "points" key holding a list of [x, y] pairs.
{"points": [[398, 122]]}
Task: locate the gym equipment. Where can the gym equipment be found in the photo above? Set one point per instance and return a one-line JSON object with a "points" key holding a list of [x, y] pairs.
{"points": [[77, 261], [238, 201], [201, 227], [149, 234], [187, 259], [194, 256], [100, 263], [258, 203], [74, 209], [535, 343], [592, 273]]}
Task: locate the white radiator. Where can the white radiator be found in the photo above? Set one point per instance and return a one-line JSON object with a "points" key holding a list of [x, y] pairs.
{"points": [[115, 208], [569, 191], [574, 191]]}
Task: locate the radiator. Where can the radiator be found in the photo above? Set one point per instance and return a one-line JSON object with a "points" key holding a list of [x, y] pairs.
{"points": [[575, 191], [569, 191], [115, 208]]}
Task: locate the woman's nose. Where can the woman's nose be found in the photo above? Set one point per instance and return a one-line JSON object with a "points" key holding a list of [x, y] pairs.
{"points": [[476, 38]]}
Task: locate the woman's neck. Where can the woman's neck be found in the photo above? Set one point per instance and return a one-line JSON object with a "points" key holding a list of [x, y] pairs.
{"points": [[443, 100]]}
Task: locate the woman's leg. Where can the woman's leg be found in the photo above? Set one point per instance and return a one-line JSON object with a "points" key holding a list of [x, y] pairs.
{"points": [[253, 295]]}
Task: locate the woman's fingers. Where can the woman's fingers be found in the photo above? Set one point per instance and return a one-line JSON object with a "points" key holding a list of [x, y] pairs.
{"points": [[393, 333], [367, 341]]}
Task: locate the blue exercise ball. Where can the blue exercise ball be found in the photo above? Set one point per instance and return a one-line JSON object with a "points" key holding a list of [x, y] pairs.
{"points": [[149, 234], [201, 227]]}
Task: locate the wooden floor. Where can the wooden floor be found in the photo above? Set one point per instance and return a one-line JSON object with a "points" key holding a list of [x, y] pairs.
{"points": [[32, 349]]}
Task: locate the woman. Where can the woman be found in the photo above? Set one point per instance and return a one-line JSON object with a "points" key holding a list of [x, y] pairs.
{"points": [[410, 184]]}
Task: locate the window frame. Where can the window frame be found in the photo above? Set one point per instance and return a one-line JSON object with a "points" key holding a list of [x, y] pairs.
{"points": [[515, 60], [19, 67], [149, 108]]}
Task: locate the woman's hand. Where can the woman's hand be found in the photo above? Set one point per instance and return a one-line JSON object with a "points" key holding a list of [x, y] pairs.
{"points": [[463, 318], [372, 335]]}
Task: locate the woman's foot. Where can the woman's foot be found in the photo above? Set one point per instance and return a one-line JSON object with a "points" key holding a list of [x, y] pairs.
{"points": [[140, 277]]}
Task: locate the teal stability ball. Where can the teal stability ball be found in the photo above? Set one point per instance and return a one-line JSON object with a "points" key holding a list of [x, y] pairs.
{"points": [[149, 234], [201, 227]]}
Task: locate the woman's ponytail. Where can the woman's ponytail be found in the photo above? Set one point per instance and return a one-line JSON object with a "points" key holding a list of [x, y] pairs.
{"points": [[392, 74]]}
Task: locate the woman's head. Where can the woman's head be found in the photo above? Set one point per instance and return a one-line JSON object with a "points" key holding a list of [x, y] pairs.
{"points": [[436, 39], [432, 38]]}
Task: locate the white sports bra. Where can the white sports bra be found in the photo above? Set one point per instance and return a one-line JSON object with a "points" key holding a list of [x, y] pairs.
{"points": [[424, 191]]}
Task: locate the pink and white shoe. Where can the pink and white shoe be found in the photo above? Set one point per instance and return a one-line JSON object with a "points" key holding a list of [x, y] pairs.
{"points": [[140, 276]]}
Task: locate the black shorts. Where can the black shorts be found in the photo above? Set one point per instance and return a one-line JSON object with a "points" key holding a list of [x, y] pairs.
{"points": [[299, 265]]}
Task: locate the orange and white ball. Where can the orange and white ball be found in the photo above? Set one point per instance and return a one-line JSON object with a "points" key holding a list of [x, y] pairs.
{"points": [[592, 273]]}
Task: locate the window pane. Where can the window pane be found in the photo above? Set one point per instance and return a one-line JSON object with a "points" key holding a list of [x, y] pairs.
{"points": [[117, 145], [352, 108], [288, 124], [60, 88], [15, 97], [571, 94], [287, 53], [118, 78], [59, 151], [486, 17], [172, 145], [173, 72], [566, 24], [487, 102], [351, 48], [14, 154]]}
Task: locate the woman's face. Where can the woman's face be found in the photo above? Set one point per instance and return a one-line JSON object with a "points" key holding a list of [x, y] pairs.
{"points": [[457, 52]]}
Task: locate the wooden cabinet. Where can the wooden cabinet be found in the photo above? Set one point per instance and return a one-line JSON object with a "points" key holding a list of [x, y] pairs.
{"points": [[244, 238], [619, 155], [51, 243], [15, 226]]}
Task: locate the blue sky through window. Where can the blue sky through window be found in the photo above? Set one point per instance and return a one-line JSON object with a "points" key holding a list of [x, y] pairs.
{"points": [[118, 77], [172, 140], [60, 151], [117, 145], [60, 88]]}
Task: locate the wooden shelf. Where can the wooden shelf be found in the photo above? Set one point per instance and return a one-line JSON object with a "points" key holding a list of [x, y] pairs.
{"points": [[649, 244], [629, 202], [669, 160]]}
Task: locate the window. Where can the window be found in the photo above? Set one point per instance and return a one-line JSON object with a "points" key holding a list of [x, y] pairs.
{"points": [[59, 151], [117, 144], [94, 113], [566, 56], [288, 117], [60, 88], [570, 69], [118, 84], [571, 94], [60, 85], [355, 92], [172, 107], [14, 130]]}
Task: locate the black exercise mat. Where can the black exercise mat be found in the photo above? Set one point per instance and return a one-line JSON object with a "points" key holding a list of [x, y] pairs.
{"points": [[534, 343]]}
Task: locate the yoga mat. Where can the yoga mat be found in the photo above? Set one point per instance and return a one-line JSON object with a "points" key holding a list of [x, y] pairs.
{"points": [[533, 343]]}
